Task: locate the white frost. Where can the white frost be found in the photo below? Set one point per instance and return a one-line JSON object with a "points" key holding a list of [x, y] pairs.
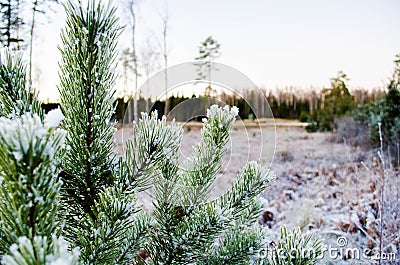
{"points": [[53, 118], [235, 111]]}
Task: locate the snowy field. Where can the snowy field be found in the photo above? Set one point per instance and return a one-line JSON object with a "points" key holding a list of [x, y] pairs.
{"points": [[321, 186]]}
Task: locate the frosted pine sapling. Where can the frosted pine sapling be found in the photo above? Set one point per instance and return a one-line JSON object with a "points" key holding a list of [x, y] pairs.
{"points": [[98, 195], [97, 206], [189, 228]]}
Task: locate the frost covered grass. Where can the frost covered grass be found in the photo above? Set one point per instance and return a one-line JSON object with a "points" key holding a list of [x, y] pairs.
{"points": [[329, 189], [334, 190]]}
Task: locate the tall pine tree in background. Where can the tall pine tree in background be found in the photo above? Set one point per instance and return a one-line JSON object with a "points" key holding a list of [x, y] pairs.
{"points": [[11, 23]]}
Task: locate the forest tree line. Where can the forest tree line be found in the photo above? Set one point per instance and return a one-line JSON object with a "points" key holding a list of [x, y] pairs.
{"points": [[355, 114], [285, 103]]}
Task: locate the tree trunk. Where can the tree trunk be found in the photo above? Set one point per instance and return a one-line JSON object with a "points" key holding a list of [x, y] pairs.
{"points": [[8, 32], [31, 42], [133, 28], [165, 54]]}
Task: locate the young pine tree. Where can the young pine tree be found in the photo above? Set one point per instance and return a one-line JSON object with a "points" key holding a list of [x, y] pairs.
{"points": [[97, 210], [98, 199], [97, 206]]}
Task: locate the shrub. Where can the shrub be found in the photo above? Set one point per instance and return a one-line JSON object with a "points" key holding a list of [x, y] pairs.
{"points": [[337, 103], [304, 117], [351, 131], [383, 113]]}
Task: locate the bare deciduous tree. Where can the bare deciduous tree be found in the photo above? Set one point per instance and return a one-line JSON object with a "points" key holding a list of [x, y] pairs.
{"points": [[36, 8], [165, 54], [149, 58], [131, 6]]}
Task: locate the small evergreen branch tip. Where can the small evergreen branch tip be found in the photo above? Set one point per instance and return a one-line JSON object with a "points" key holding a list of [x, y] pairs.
{"points": [[294, 248], [204, 164], [15, 97], [243, 199], [237, 246], [154, 143], [27, 252]]}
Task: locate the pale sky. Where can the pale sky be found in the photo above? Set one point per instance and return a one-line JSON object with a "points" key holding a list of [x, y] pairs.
{"points": [[275, 43]]}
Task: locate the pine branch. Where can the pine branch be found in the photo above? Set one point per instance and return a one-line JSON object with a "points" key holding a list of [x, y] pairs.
{"points": [[153, 143], [29, 194], [294, 248], [185, 233], [237, 246], [103, 239], [204, 164], [196, 233], [98, 190], [86, 79], [15, 98], [154, 154], [138, 236], [241, 199], [28, 252]]}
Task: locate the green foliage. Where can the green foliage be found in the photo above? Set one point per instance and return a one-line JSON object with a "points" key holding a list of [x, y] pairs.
{"points": [[238, 246], [294, 249], [104, 240], [203, 166], [97, 208], [338, 99], [303, 116], [209, 50], [15, 98], [189, 228], [384, 111], [85, 90], [29, 191], [337, 102], [28, 252], [154, 142], [97, 211], [312, 127]]}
